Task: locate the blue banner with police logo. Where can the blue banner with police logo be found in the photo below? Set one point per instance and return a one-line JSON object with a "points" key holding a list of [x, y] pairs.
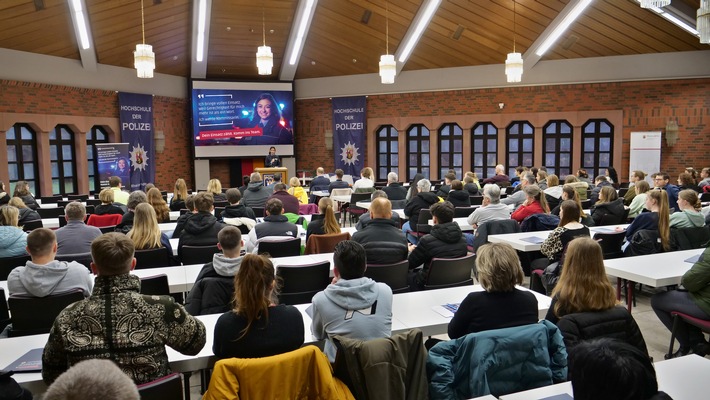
{"points": [[136, 119], [349, 133]]}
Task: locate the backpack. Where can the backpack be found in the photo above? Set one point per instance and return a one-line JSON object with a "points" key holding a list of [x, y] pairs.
{"points": [[643, 242]]}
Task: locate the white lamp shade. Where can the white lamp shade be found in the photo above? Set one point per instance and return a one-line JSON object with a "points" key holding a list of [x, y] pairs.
{"points": [[703, 21], [654, 3], [388, 69], [264, 60], [144, 60], [514, 67]]}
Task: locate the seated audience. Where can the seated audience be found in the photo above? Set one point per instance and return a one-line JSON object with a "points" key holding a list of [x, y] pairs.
{"points": [[107, 206], [636, 176], [177, 202], [4, 197], [413, 190], [491, 207], [518, 197], [126, 327], [582, 176], [423, 199], [599, 183], [201, 228], [256, 193], [136, 197], [579, 186], [353, 305], [236, 213], [382, 239], [569, 193], [297, 191], [365, 184], [661, 180], [535, 203], [499, 178], [75, 237], [686, 182], [44, 276], [612, 176], [655, 220], [214, 285], [91, 380], [444, 190], [321, 181], [365, 218], [688, 215], [257, 326], [610, 204], [444, 241], [471, 185], [553, 193], [457, 196], [274, 227], [639, 201], [541, 178], [338, 183], [119, 196], [394, 190], [569, 228], [22, 190], [214, 186], [326, 225], [162, 211], [500, 304], [290, 203], [146, 233], [692, 299], [610, 369], [519, 173], [704, 178], [245, 183], [13, 239], [180, 223], [26, 214]]}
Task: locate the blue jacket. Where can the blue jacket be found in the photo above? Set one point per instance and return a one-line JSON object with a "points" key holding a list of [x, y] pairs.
{"points": [[12, 241], [497, 362]]}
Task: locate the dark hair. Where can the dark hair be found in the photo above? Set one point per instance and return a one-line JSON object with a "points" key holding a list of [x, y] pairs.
{"points": [[277, 177], [450, 176], [582, 173], [275, 110], [280, 187], [233, 195], [613, 175], [350, 259], [40, 242], [114, 181], [274, 207], [229, 237], [610, 369], [252, 285], [339, 173], [456, 184], [190, 202], [22, 188], [570, 212], [444, 212], [245, 180], [663, 175], [204, 201]]}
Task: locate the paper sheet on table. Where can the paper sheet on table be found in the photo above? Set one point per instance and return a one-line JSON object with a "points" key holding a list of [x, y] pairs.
{"points": [[446, 310], [533, 239]]}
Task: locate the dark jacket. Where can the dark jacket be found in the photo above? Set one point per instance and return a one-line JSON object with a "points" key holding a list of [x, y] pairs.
{"points": [[32, 203], [237, 211], [219, 197], [472, 189], [319, 183], [108, 209], [395, 191], [126, 223], [459, 198], [180, 224], [214, 286], [384, 243], [275, 225], [256, 194], [338, 184], [594, 197], [421, 200], [177, 205], [443, 191], [365, 219], [614, 208], [26, 215], [200, 229], [444, 241], [496, 227], [290, 202], [4, 198]]}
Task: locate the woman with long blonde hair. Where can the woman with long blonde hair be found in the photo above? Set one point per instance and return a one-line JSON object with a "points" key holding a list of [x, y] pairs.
{"points": [[327, 224], [145, 233], [177, 202], [214, 186], [257, 326], [162, 211]]}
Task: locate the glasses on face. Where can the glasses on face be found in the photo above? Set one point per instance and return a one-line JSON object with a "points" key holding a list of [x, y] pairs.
{"points": [[658, 179]]}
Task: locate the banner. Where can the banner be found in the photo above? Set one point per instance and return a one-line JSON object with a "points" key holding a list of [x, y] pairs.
{"points": [[136, 118], [112, 159], [349, 133]]}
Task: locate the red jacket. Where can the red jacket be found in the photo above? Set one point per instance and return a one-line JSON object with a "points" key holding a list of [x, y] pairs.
{"points": [[525, 211]]}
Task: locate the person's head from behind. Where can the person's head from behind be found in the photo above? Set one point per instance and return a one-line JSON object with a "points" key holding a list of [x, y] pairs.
{"points": [[114, 182], [255, 289], [582, 173], [180, 189], [324, 203], [229, 240], [686, 179], [93, 379], [637, 176], [155, 197], [2, 187], [204, 202], [255, 177], [442, 212], [277, 177], [135, 198], [705, 173], [280, 187], [689, 198], [423, 185], [75, 211], [41, 242], [245, 180], [534, 193], [349, 260], [456, 185], [294, 182], [233, 196], [147, 187], [366, 173], [528, 179], [607, 194], [190, 202], [392, 178], [214, 186], [599, 179], [569, 212], [381, 208], [449, 177], [266, 108], [553, 180], [611, 369], [641, 187], [378, 193], [611, 173], [22, 188], [498, 267], [274, 207], [17, 202], [106, 196], [541, 175], [9, 216], [491, 193], [320, 171], [112, 254], [570, 179], [500, 169], [339, 173], [145, 224]]}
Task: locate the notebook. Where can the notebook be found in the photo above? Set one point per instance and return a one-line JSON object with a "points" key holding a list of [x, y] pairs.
{"points": [[533, 239], [30, 362], [447, 310]]}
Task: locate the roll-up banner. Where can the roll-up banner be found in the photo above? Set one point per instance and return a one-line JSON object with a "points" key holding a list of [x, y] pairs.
{"points": [[349, 133], [136, 118]]}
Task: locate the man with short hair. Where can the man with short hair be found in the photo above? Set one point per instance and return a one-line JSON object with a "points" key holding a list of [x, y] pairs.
{"points": [[353, 305], [636, 176], [381, 237], [661, 181], [75, 237], [394, 189], [118, 323], [214, 286], [289, 201], [365, 218], [444, 241], [201, 228], [256, 193], [338, 183], [119, 196], [500, 177], [444, 189], [276, 181], [518, 197], [491, 209], [44, 276], [136, 197], [274, 227], [321, 181], [235, 209]]}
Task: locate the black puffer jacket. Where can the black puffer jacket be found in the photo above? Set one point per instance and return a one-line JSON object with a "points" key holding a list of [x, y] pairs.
{"points": [[237, 211], [444, 241], [28, 214], [200, 229], [614, 208], [459, 198], [384, 243], [421, 200]]}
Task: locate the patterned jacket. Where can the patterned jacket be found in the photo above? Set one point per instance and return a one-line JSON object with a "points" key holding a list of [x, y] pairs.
{"points": [[119, 324]]}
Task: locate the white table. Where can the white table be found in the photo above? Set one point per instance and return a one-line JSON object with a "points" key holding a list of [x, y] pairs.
{"points": [[517, 239]]}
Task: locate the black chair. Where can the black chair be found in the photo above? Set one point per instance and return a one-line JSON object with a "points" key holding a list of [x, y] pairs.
{"points": [[79, 197], [63, 220], [7, 264], [258, 212], [393, 275], [610, 219], [450, 272], [63, 203], [476, 200], [197, 254], [155, 285], [184, 211], [50, 212], [461, 212], [152, 258], [167, 387], [422, 226], [221, 203], [107, 229], [218, 211], [4, 311], [35, 315], [623, 191], [29, 226], [705, 197], [586, 204], [93, 202], [90, 210], [82, 258], [352, 208], [281, 248], [509, 190], [51, 199], [321, 216], [689, 238], [302, 282], [610, 243]]}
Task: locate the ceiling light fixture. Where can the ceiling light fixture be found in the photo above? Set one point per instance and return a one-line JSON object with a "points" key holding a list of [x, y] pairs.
{"points": [[562, 27], [685, 25], [80, 18], [421, 21], [388, 66], [654, 3], [514, 62], [264, 56], [143, 57], [703, 21], [303, 22], [201, 22]]}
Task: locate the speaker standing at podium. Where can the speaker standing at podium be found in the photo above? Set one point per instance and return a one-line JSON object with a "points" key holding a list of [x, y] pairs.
{"points": [[272, 160]]}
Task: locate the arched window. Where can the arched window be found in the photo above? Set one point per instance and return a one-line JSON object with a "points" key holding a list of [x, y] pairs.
{"points": [[387, 151], [484, 149], [450, 149], [597, 146], [558, 148], [22, 157], [520, 145], [61, 156], [417, 151], [96, 135]]}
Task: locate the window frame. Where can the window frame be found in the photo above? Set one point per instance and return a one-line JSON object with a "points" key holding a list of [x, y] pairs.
{"points": [[418, 134], [557, 135], [520, 137], [455, 133], [19, 142], [391, 139], [489, 133], [594, 169], [59, 141]]}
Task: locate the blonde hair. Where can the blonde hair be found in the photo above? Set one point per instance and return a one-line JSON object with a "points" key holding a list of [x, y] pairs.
{"points": [[367, 172], [583, 284], [155, 199], [330, 224], [9, 216], [145, 233], [553, 180], [294, 182], [106, 196], [17, 202], [689, 195], [214, 186], [180, 191], [498, 267]]}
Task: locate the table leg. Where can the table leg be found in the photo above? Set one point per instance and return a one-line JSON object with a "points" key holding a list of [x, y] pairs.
{"points": [[618, 289], [629, 295]]}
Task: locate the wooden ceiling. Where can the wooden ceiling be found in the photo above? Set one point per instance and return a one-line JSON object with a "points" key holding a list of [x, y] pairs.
{"points": [[462, 33]]}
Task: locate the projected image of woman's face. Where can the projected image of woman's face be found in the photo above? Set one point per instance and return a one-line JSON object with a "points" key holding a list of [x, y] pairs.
{"points": [[263, 108]]}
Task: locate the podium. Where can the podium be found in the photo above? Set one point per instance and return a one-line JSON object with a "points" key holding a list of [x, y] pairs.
{"points": [[267, 174]]}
